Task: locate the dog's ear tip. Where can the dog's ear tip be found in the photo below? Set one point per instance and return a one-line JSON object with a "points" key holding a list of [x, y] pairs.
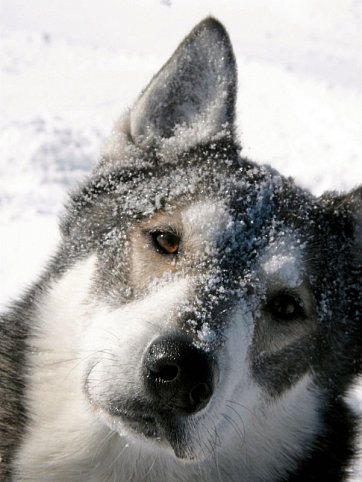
{"points": [[211, 23], [214, 27]]}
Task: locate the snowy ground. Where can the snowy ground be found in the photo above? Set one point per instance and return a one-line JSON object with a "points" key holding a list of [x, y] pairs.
{"points": [[68, 68]]}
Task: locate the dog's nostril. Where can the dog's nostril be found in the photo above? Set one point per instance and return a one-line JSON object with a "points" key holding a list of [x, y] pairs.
{"points": [[200, 394], [166, 373]]}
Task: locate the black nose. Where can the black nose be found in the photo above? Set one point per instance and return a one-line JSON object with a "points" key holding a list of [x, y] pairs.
{"points": [[178, 375]]}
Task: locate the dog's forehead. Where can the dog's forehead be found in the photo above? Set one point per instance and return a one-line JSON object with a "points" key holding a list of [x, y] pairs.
{"points": [[236, 202], [207, 220], [212, 220]]}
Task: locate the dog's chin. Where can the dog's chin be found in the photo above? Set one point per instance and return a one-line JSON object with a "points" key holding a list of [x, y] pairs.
{"points": [[168, 433]]}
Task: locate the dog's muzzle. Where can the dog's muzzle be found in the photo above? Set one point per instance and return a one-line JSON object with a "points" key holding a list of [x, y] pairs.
{"points": [[179, 377], [177, 380]]}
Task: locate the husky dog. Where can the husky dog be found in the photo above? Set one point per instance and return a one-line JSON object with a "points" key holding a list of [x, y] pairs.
{"points": [[201, 320]]}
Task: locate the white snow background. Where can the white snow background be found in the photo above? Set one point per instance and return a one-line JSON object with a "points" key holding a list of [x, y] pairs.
{"points": [[69, 68]]}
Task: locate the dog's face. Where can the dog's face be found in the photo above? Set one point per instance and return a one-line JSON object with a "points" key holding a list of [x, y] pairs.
{"points": [[219, 288]]}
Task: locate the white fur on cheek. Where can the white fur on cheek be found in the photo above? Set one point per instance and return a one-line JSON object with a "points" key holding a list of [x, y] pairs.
{"points": [[117, 339], [277, 432], [55, 400]]}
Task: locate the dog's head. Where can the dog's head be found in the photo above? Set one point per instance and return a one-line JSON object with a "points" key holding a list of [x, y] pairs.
{"points": [[223, 294]]}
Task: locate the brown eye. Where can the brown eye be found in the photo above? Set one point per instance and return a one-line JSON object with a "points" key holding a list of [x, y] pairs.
{"points": [[166, 242], [286, 307]]}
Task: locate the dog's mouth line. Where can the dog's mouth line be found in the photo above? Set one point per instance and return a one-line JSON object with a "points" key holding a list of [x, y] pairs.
{"points": [[134, 417], [145, 425]]}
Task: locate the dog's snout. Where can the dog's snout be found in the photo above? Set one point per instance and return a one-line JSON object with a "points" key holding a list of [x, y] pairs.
{"points": [[178, 376]]}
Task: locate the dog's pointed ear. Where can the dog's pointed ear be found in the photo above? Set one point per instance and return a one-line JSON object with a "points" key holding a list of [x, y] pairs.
{"points": [[350, 205], [195, 89]]}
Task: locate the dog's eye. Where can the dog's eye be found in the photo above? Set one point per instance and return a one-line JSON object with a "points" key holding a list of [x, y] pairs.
{"points": [[166, 242], [286, 307]]}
